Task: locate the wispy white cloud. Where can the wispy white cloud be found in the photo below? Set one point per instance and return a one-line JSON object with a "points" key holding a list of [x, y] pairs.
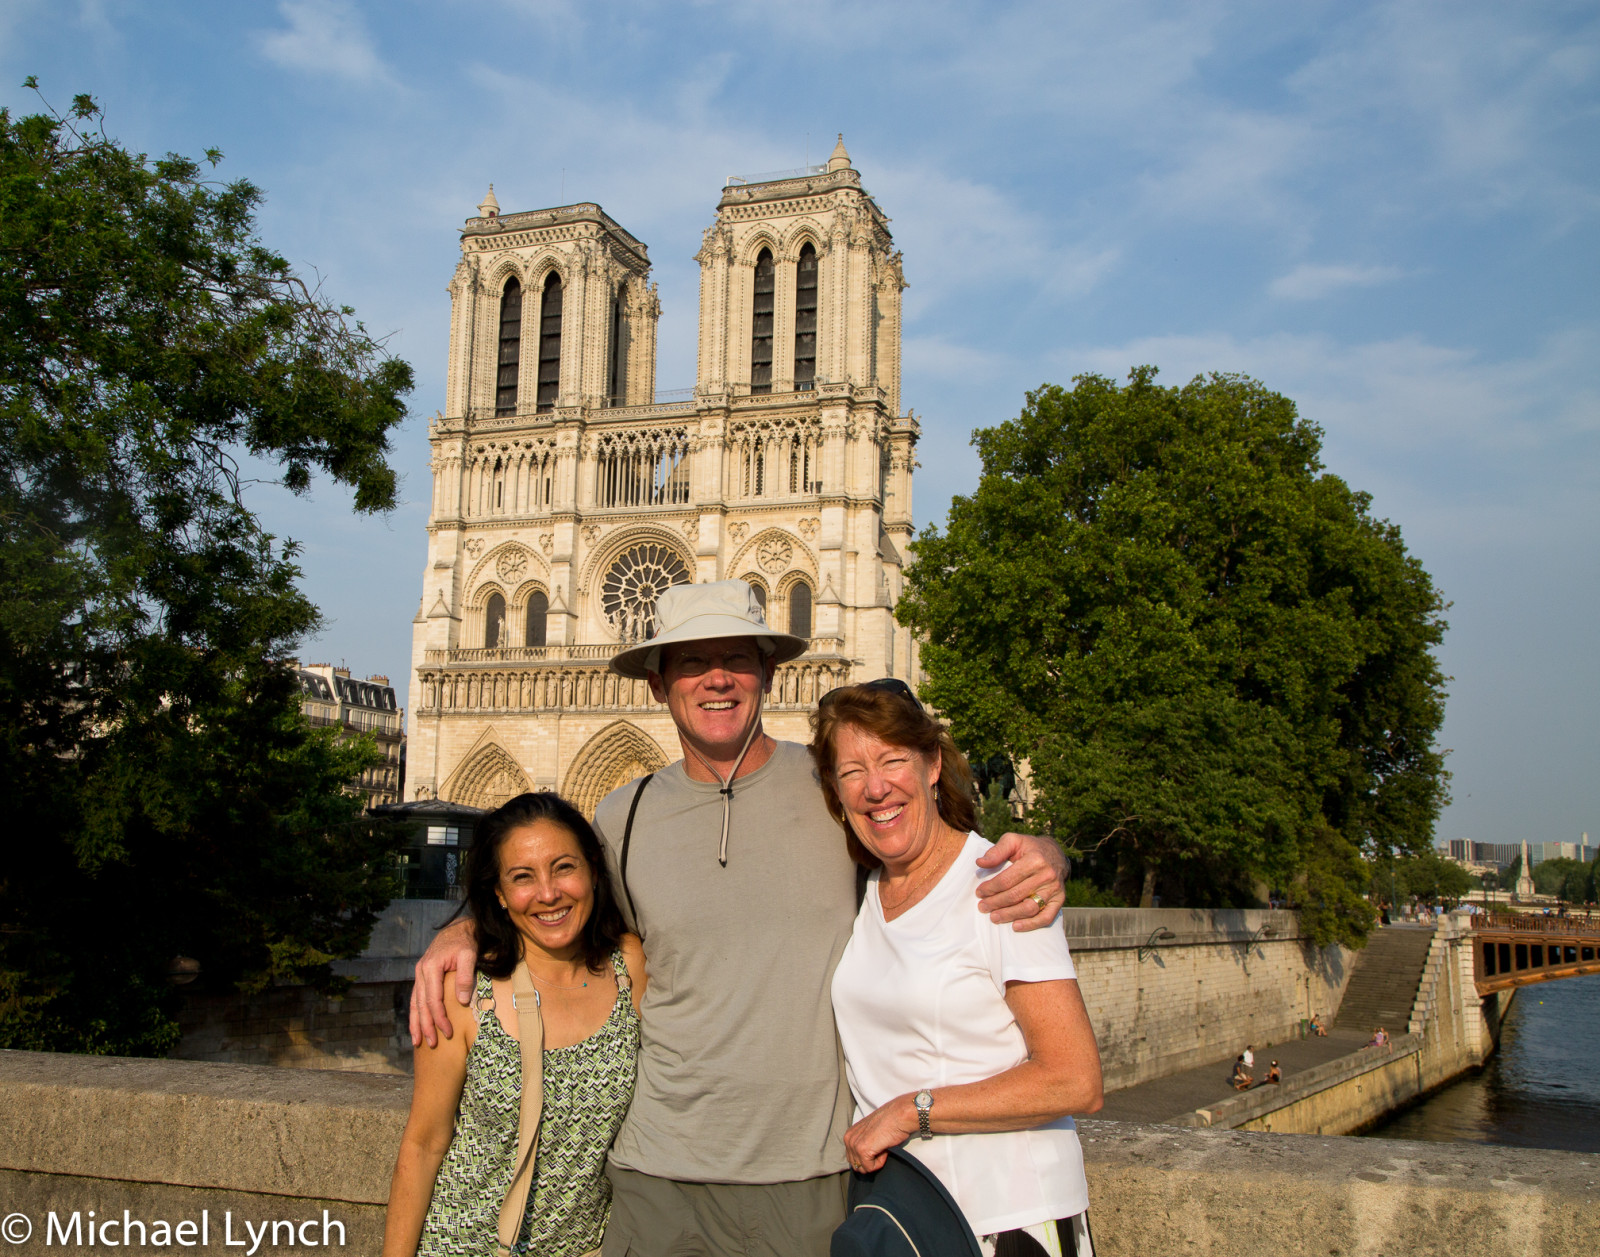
{"points": [[324, 37], [1309, 280], [1449, 417]]}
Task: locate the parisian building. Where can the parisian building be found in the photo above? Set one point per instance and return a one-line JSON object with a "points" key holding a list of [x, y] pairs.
{"points": [[568, 493], [331, 696]]}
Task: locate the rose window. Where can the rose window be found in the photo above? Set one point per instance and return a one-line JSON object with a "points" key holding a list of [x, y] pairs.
{"points": [[630, 589]]}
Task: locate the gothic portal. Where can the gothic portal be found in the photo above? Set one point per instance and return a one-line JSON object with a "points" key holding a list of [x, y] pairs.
{"points": [[566, 496]]}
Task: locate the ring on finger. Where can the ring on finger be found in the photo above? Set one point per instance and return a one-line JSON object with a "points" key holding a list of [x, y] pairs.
{"points": [[1040, 898]]}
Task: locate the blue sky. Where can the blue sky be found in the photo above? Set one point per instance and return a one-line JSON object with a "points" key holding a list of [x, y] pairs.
{"points": [[1386, 211]]}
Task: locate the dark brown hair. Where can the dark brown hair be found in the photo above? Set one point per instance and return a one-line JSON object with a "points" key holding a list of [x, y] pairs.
{"points": [[898, 719], [499, 943]]}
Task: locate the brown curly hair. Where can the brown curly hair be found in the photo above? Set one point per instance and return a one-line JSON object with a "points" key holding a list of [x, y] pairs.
{"points": [[895, 717]]}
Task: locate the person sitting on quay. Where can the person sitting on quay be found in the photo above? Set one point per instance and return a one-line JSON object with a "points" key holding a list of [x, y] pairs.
{"points": [[1380, 1038], [1274, 1074], [1317, 1028], [1242, 1079]]}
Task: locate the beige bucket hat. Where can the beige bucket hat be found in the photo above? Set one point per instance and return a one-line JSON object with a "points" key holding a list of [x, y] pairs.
{"points": [[697, 613]]}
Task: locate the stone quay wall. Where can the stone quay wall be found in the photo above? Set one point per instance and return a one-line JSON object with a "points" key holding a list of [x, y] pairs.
{"points": [[364, 1029], [1451, 1030], [234, 1150], [1223, 979]]}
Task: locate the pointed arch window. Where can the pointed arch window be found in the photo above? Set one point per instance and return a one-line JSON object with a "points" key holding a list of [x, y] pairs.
{"points": [[505, 392], [805, 319], [800, 609], [550, 344], [538, 608], [494, 621], [617, 386], [761, 592], [761, 327]]}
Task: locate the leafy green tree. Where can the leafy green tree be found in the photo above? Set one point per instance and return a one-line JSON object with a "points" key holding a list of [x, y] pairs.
{"points": [[1216, 661], [1426, 876], [994, 813], [1567, 880], [164, 795]]}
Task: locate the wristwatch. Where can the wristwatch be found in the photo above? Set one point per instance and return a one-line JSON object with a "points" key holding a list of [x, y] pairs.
{"points": [[924, 1101]]}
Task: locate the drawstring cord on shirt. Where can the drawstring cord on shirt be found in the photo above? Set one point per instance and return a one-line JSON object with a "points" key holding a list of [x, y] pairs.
{"points": [[726, 784]]}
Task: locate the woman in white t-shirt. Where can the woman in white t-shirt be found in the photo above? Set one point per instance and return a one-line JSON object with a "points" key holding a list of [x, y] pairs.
{"points": [[964, 1037]]}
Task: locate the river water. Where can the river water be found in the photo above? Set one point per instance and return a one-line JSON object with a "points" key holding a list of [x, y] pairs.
{"points": [[1540, 1090]]}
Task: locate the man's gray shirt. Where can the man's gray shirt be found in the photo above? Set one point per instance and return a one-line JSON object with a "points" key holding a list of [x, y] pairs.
{"points": [[740, 1074]]}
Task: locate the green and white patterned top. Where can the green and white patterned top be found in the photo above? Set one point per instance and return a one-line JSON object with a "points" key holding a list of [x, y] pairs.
{"points": [[587, 1087]]}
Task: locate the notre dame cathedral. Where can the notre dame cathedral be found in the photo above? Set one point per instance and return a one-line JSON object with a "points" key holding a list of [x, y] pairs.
{"points": [[567, 494]]}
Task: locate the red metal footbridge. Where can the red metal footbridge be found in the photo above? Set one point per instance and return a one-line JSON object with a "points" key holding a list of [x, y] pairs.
{"points": [[1511, 949]]}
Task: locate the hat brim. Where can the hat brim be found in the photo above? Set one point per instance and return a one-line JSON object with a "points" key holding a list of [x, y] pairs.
{"points": [[702, 628]]}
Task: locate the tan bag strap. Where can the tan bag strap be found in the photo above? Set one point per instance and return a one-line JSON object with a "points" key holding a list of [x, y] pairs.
{"points": [[530, 1038]]}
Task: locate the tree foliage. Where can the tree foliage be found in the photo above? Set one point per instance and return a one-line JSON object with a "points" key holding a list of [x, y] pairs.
{"points": [[1571, 881], [165, 796], [1425, 876], [1217, 663]]}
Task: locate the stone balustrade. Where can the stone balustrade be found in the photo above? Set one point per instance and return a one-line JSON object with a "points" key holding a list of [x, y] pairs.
{"points": [[475, 687]]}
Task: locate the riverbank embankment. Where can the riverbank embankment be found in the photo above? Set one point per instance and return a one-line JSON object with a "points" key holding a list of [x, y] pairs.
{"points": [[239, 1146], [1339, 1086]]}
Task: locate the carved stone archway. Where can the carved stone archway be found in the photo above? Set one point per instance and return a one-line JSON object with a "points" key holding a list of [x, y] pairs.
{"points": [[613, 757], [487, 779]]}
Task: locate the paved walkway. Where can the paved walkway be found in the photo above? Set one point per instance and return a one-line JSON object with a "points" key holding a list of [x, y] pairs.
{"points": [[1162, 1099]]}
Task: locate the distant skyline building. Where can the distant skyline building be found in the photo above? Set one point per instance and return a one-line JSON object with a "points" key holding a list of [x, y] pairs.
{"points": [[331, 696], [1502, 855], [568, 494]]}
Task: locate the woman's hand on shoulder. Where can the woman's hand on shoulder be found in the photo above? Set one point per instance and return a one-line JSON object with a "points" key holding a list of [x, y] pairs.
{"points": [[633, 957]]}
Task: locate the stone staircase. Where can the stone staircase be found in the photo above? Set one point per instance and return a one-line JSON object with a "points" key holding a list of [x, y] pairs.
{"points": [[1384, 982]]}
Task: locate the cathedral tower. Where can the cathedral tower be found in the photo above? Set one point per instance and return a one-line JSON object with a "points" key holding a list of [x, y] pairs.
{"points": [[566, 497]]}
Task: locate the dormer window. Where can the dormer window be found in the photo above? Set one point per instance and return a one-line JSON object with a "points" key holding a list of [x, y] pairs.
{"points": [[505, 393], [805, 319], [761, 328]]}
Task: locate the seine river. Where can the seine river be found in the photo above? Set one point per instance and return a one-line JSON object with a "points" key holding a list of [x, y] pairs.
{"points": [[1540, 1090]]}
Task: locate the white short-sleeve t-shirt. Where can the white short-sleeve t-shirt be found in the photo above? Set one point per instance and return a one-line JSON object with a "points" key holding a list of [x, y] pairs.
{"points": [[920, 1002]]}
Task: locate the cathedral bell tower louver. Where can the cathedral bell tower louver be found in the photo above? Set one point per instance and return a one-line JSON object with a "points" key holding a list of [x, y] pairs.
{"points": [[566, 497]]}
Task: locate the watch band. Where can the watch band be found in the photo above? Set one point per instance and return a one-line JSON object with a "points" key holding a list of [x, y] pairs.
{"points": [[924, 1102]]}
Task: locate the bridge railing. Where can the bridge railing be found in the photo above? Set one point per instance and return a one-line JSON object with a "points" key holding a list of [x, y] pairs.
{"points": [[1583, 926]]}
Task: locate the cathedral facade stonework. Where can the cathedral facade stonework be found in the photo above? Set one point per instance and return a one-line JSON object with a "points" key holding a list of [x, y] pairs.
{"points": [[566, 496]]}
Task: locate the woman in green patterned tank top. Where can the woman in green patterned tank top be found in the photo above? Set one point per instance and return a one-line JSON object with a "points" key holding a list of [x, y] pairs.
{"points": [[540, 896]]}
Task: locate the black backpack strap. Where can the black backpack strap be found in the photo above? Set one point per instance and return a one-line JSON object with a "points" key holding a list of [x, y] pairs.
{"points": [[627, 841]]}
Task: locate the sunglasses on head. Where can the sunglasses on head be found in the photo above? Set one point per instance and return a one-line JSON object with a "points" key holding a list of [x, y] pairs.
{"points": [[889, 685]]}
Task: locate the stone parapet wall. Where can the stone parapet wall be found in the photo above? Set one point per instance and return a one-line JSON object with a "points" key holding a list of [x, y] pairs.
{"points": [[239, 1145], [180, 1141], [1219, 982], [1157, 1190]]}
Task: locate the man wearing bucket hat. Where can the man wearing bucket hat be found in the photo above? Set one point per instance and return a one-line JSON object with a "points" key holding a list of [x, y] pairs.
{"points": [[738, 880]]}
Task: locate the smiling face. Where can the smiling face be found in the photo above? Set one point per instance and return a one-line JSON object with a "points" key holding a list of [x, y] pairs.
{"points": [[887, 794], [546, 886], [711, 688]]}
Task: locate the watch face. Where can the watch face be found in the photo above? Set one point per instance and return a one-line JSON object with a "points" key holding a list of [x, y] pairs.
{"points": [[923, 1099]]}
